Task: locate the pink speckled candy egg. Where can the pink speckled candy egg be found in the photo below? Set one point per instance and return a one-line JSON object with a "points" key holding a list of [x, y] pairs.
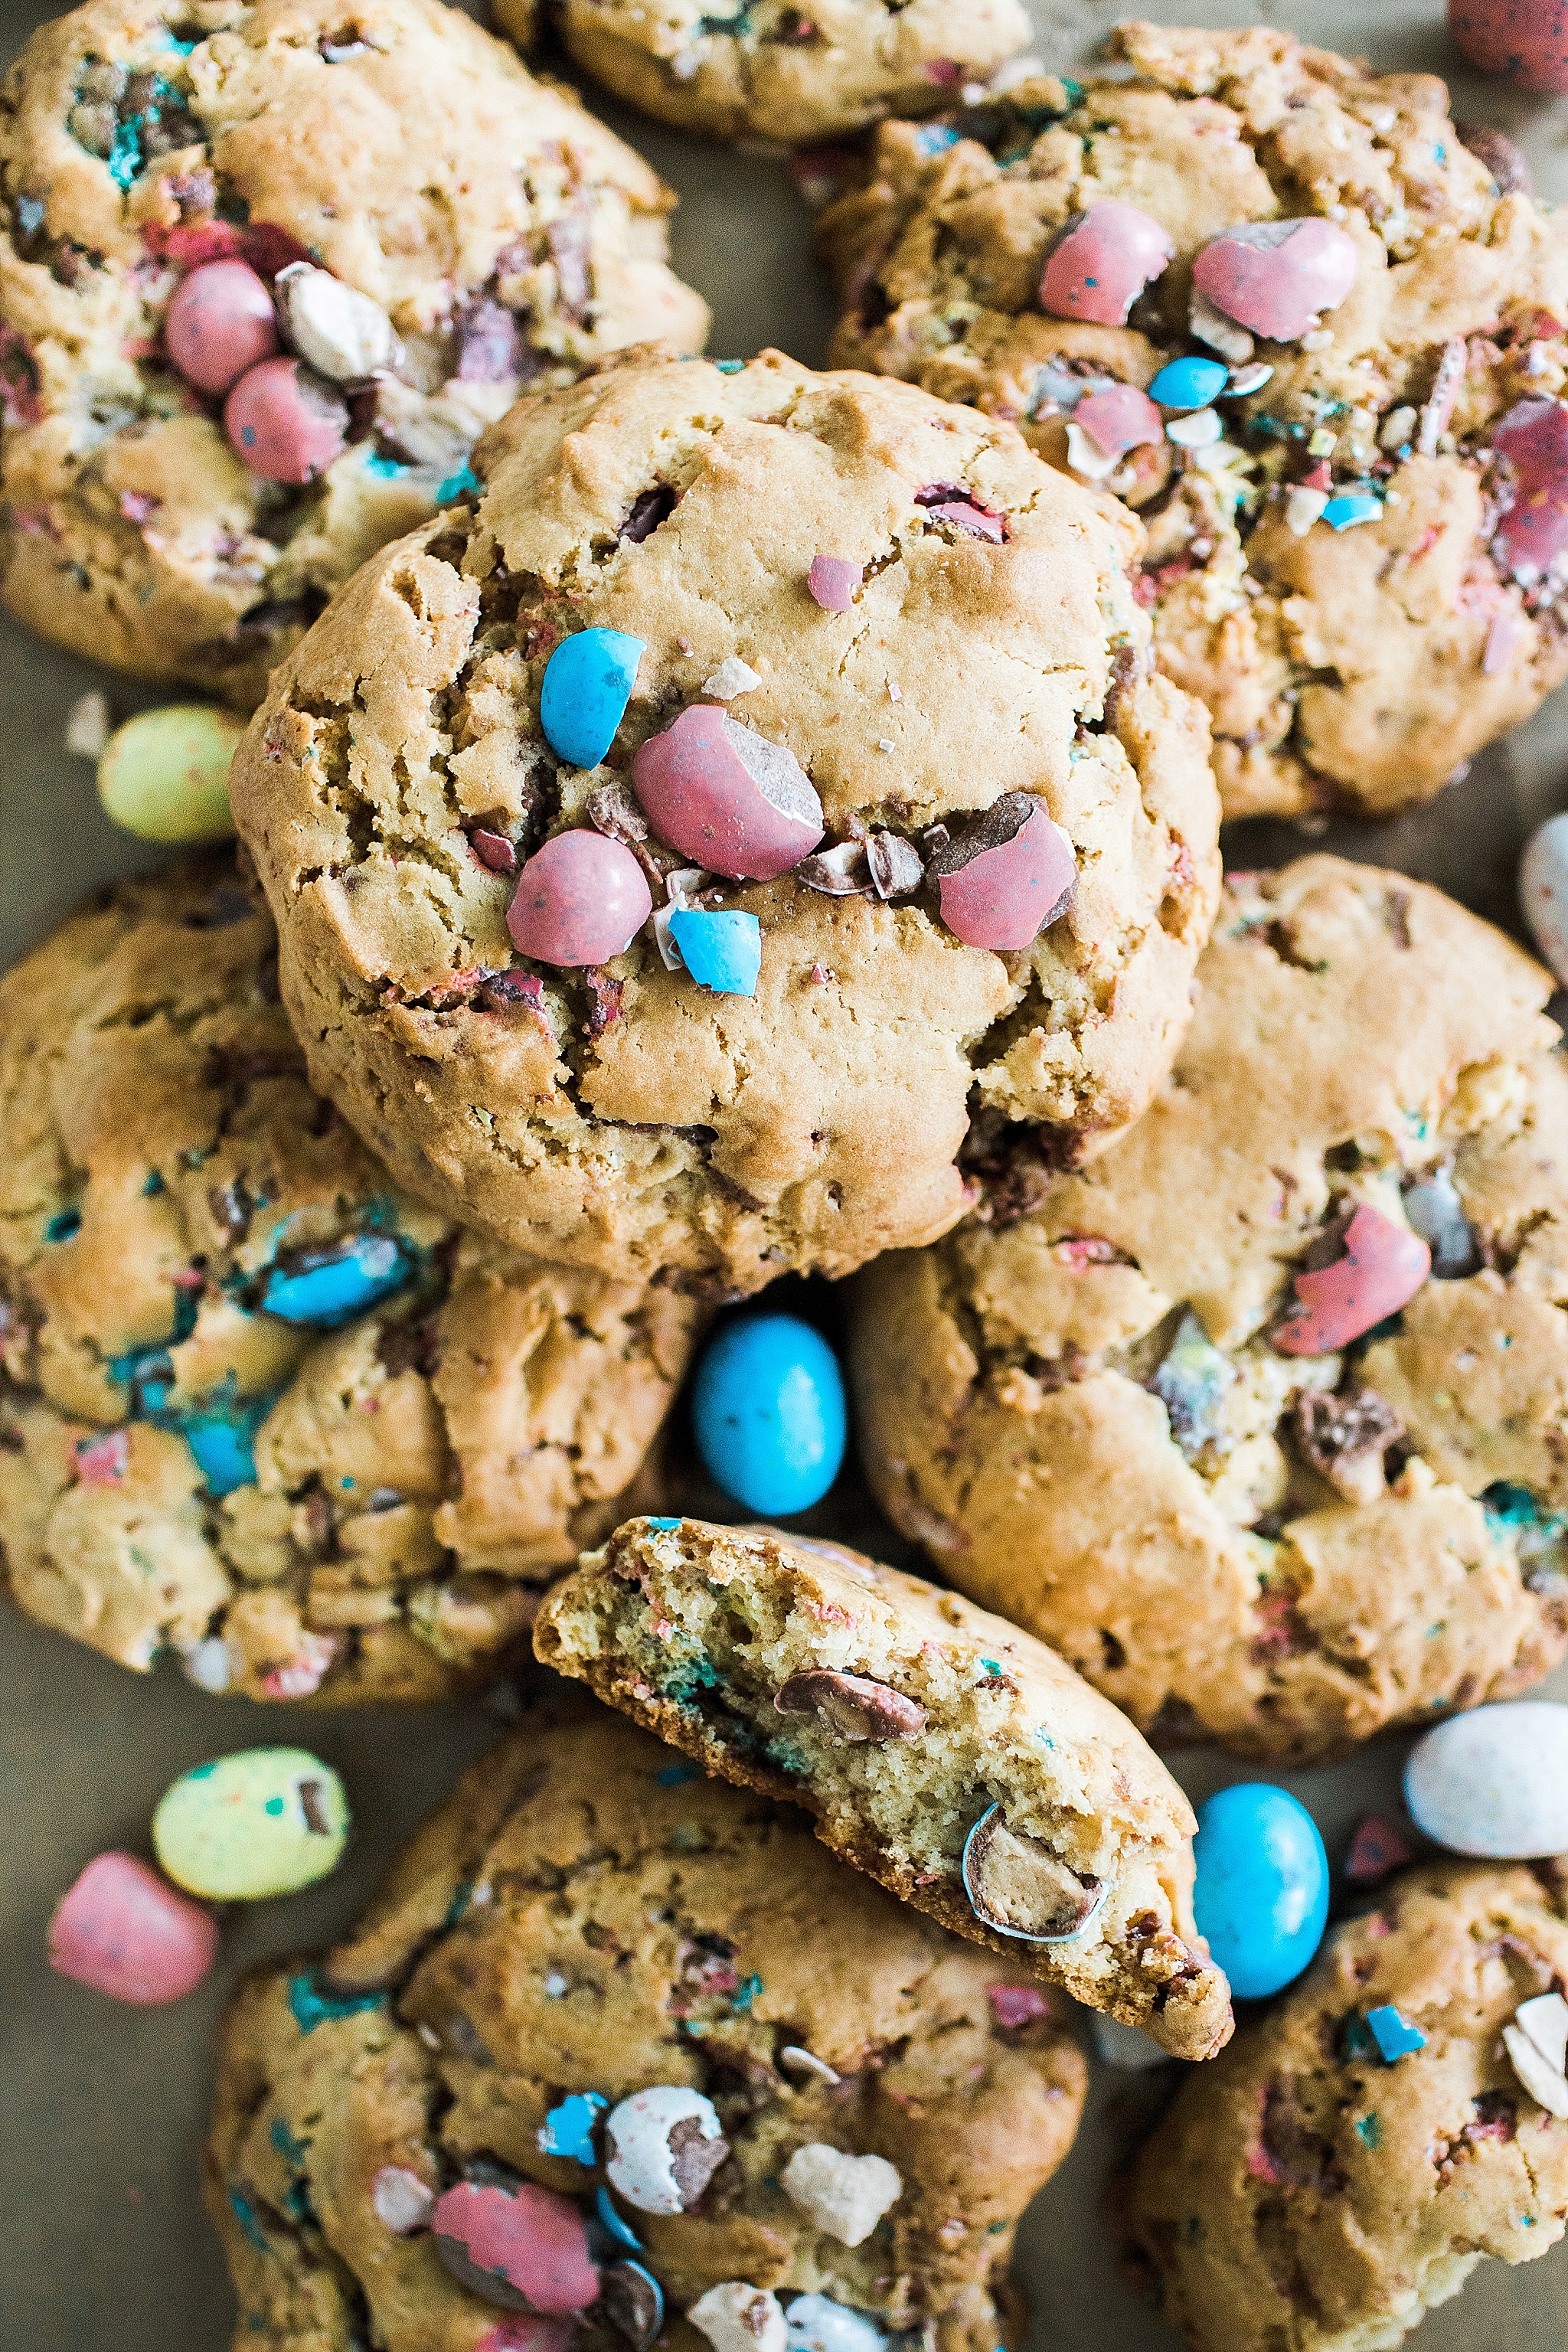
{"points": [[726, 797], [1276, 278], [220, 323], [579, 901], [127, 1932], [287, 423], [1120, 417], [1002, 878], [1532, 441], [526, 2248], [1101, 263], [1383, 1267], [1525, 40]]}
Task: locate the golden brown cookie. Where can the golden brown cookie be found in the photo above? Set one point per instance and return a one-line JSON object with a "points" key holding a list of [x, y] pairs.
{"points": [[258, 1407], [1359, 666], [506, 235], [583, 1920], [954, 1758], [1086, 1410], [625, 1117], [764, 71], [1304, 2193]]}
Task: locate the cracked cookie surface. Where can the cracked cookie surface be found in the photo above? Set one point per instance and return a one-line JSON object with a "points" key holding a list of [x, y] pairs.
{"points": [[1082, 1411], [257, 1407], [626, 1118], [586, 1916], [509, 237], [764, 70], [1301, 2194], [1356, 667], [905, 1719]]}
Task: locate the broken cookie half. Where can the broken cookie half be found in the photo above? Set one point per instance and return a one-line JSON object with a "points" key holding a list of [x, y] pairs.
{"points": [[951, 1757]]}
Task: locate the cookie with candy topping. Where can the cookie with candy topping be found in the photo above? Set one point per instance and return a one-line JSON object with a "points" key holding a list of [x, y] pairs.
{"points": [[626, 2046], [1307, 2189], [1259, 1418], [260, 1407], [951, 1755], [914, 827], [264, 276], [766, 72], [1355, 476]]}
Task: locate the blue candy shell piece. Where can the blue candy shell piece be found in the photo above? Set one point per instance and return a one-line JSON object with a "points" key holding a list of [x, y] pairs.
{"points": [[588, 683], [722, 952], [768, 1413], [225, 1448], [1189, 384], [1395, 2036], [1340, 513], [1261, 1894], [568, 2129], [365, 1269]]}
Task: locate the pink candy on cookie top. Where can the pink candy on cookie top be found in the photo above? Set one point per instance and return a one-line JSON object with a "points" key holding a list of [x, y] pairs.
{"points": [[1377, 1268], [1101, 263], [1277, 277]]}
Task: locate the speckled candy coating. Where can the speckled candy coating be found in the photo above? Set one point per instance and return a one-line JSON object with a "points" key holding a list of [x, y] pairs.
{"points": [[265, 1821], [1261, 1892], [124, 1931], [220, 323], [526, 2247], [286, 421], [1382, 1267], [1494, 1783], [164, 774], [1004, 877], [580, 900], [588, 682], [1527, 40], [1277, 277], [1544, 891], [768, 1412], [1102, 263], [724, 795]]}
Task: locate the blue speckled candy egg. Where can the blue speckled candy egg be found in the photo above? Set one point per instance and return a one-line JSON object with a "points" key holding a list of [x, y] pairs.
{"points": [[1262, 1891], [1189, 384], [588, 683], [768, 1411]]}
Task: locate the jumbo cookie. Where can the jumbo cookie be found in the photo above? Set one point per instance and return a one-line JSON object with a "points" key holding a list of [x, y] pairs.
{"points": [[257, 1408], [769, 72], [1352, 476], [1358, 2150], [620, 2054], [666, 842], [1260, 1419], [267, 269], [944, 1752]]}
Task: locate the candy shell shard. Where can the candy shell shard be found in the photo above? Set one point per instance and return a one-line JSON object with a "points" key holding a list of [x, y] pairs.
{"points": [[1120, 417], [845, 2196], [124, 1931], [1002, 878], [1277, 277], [1101, 263], [286, 421], [1533, 534], [1191, 383], [1546, 2084], [262, 1821], [833, 579], [568, 2129], [580, 899], [662, 2146], [1382, 1267], [164, 774], [814, 2323], [220, 322], [339, 331], [588, 682], [722, 952], [1544, 891], [736, 2316], [1395, 2036], [725, 795], [400, 2200], [632, 2300], [526, 2248]]}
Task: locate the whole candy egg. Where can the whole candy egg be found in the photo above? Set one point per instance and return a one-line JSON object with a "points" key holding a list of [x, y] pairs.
{"points": [[126, 1932], [220, 322], [286, 421], [1261, 1894], [1525, 40], [1494, 1782], [768, 1412], [264, 1821], [580, 900]]}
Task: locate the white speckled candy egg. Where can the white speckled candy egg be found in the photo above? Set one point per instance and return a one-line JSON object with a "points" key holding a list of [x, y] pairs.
{"points": [[662, 2148], [1494, 1782], [1544, 891]]}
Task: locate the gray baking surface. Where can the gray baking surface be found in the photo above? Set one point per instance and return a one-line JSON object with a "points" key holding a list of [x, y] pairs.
{"points": [[103, 2245]]}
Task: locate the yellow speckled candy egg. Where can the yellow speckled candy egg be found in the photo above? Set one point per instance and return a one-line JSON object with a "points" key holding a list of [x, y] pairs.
{"points": [[265, 1821]]}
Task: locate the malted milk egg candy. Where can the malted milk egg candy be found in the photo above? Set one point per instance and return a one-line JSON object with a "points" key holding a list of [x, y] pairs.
{"points": [[220, 322], [1525, 40], [1494, 1783], [526, 2248], [1002, 877], [286, 421], [1260, 1893], [1277, 277], [768, 1412], [1380, 1267], [1101, 263], [580, 899], [1532, 535], [1544, 891], [264, 1821], [726, 796], [588, 682], [126, 1932], [164, 774]]}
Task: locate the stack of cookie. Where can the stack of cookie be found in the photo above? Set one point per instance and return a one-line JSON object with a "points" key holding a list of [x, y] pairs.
{"points": [[704, 822]]}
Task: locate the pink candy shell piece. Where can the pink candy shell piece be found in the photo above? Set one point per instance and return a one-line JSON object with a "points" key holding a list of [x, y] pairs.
{"points": [[699, 794], [1120, 417], [536, 2240], [1533, 532], [833, 581], [128, 1933], [220, 323], [528, 2332], [1525, 40], [1101, 265], [1375, 1850], [1016, 2005], [285, 423], [1277, 276], [580, 900], [1383, 1266], [103, 1460], [1002, 899]]}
